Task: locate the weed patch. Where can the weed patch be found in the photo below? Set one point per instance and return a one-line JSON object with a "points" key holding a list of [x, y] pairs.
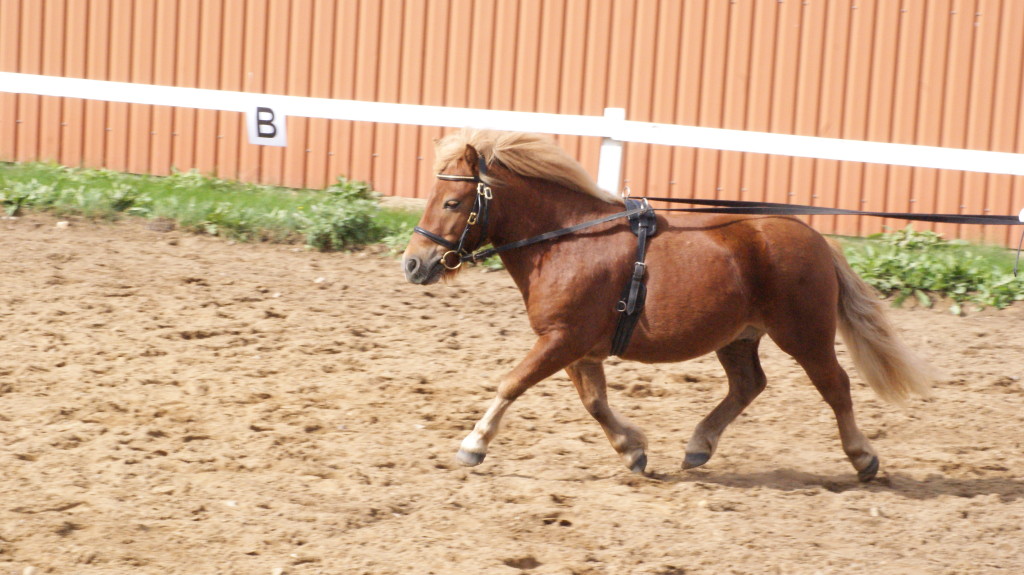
{"points": [[923, 265]]}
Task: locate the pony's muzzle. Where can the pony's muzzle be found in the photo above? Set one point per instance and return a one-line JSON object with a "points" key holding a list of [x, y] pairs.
{"points": [[421, 272]]}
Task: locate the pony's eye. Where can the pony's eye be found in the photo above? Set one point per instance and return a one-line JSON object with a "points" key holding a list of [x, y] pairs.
{"points": [[451, 204]]}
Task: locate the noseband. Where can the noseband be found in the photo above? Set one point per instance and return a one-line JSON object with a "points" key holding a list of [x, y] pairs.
{"points": [[480, 214]]}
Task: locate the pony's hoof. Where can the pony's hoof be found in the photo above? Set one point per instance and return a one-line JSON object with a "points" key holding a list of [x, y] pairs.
{"points": [[469, 458], [695, 460], [640, 464], [869, 472]]}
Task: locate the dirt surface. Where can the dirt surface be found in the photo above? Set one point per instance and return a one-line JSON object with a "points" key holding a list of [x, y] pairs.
{"points": [[172, 404]]}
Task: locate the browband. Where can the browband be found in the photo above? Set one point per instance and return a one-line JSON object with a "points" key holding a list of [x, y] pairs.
{"points": [[455, 178], [481, 165]]}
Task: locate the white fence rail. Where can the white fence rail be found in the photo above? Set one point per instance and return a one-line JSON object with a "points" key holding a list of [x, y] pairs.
{"points": [[612, 126]]}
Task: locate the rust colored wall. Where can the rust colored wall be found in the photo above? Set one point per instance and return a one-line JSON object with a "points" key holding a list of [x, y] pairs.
{"points": [[933, 72]]}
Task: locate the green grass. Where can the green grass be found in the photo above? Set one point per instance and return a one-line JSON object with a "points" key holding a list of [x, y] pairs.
{"points": [[923, 265], [345, 215]]}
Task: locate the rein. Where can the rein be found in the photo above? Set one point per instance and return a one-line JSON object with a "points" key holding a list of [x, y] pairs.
{"points": [[479, 214], [769, 208]]}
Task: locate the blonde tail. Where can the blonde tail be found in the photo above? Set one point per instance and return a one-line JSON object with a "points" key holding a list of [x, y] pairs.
{"points": [[892, 369]]}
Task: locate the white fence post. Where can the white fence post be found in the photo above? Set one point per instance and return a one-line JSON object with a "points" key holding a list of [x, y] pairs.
{"points": [[609, 165]]}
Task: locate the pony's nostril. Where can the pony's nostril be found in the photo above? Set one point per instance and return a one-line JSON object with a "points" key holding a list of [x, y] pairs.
{"points": [[411, 265]]}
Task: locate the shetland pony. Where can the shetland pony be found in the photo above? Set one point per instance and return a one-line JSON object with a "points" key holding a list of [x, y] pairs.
{"points": [[714, 283]]}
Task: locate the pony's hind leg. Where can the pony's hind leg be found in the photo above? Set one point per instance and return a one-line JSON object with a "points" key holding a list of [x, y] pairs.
{"points": [[833, 383], [746, 382], [811, 345], [626, 438]]}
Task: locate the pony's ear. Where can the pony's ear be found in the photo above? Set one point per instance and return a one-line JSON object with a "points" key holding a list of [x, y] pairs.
{"points": [[472, 158]]}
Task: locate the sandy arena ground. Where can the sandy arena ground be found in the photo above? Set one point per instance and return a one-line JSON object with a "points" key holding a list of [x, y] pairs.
{"points": [[172, 404]]}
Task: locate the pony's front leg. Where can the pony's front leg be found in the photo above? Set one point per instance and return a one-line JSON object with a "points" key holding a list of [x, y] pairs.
{"points": [[626, 438], [549, 354], [474, 447]]}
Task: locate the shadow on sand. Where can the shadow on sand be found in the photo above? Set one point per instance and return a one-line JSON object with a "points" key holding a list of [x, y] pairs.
{"points": [[931, 487]]}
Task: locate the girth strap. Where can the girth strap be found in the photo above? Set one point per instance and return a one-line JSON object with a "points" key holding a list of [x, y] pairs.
{"points": [[644, 224]]}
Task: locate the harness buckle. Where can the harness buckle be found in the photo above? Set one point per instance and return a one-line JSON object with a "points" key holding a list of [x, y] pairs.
{"points": [[472, 219], [639, 268], [484, 190]]}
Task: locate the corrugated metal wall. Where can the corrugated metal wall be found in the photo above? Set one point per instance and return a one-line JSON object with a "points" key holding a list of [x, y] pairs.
{"points": [[933, 72]]}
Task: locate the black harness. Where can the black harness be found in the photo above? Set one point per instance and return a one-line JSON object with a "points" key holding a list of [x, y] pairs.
{"points": [[641, 220], [644, 225]]}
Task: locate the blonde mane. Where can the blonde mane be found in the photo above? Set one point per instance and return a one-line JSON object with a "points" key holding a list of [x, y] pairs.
{"points": [[528, 155]]}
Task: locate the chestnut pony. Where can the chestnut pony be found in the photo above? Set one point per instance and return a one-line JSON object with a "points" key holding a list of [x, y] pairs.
{"points": [[715, 283]]}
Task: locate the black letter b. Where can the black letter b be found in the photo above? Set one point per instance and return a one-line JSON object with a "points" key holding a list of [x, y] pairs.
{"points": [[265, 127]]}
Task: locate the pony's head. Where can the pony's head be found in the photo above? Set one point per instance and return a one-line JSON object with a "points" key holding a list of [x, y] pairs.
{"points": [[454, 221], [451, 225]]}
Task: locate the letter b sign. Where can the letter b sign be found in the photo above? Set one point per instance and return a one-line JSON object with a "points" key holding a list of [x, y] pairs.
{"points": [[266, 127]]}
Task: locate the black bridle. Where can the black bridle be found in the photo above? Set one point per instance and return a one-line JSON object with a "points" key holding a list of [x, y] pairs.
{"points": [[480, 215]]}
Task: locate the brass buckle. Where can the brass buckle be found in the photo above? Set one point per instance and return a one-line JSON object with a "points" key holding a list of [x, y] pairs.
{"points": [[484, 190], [472, 219], [458, 260]]}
